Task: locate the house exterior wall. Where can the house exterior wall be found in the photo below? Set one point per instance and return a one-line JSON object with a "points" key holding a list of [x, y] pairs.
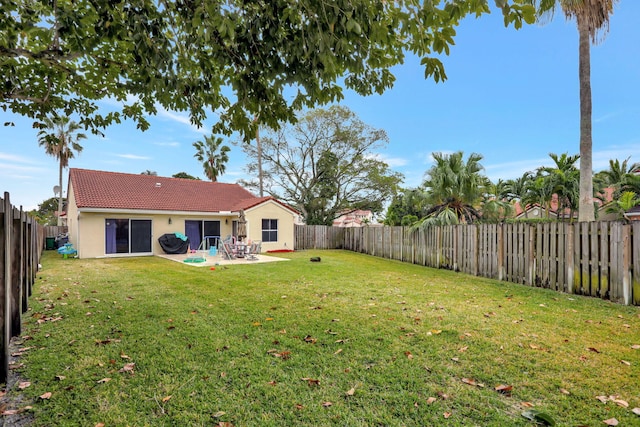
{"points": [[271, 210], [87, 229], [88, 232], [72, 217]]}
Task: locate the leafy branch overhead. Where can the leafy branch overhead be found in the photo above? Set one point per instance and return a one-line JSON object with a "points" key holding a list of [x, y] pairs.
{"points": [[239, 59]]}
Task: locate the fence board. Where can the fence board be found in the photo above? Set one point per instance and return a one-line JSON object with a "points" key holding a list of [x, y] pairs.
{"points": [[635, 247]]}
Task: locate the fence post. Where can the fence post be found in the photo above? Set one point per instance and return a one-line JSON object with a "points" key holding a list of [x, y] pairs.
{"points": [[626, 265], [16, 279], [568, 257], [5, 291], [500, 251], [635, 280]]}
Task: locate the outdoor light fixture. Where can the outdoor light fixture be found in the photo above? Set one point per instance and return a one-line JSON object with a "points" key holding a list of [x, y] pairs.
{"points": [[169, 220], [226, 221]]}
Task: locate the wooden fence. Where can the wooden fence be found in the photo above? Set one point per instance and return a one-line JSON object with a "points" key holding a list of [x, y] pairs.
{"points": [[21, 242], [600, 259]]}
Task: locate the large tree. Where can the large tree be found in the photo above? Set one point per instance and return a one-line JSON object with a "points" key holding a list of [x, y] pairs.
{"points": [[60, 138], [592, 19], [213, 155], [325, 165], [241, 59]]}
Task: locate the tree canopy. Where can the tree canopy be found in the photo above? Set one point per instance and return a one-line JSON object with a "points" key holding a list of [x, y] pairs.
{"points": [[236, 58], [325, 165]]}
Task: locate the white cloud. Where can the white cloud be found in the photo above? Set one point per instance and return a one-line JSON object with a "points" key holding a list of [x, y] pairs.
{"points": [[14, 158], [182, 119], [605, 117], [167, 144], [133, 157], [391, 161]]}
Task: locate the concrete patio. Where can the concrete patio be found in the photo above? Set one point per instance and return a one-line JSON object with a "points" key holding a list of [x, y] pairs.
{"points": [[213, 260]]}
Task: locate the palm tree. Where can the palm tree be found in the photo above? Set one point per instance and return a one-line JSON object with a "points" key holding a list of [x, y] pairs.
{"points": [[615, 176], [564, 178], [592, 17], [454, 188], [627, 201], [539, 191], [212, 155], [515, 190], [495, 206], [59, 136]]}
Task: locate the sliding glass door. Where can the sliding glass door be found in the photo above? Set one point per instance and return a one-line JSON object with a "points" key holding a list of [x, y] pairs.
{"points": [[127, 236]]}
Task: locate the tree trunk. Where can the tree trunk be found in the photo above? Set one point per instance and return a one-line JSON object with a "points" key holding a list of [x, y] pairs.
{"points": [[59, 222], [586, 209], [259, 148]]}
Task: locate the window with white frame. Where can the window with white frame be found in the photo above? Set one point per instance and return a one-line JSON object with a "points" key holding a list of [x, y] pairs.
{"points": [[269, 230]]}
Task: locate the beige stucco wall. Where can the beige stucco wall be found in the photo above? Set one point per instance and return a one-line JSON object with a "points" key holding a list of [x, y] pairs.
{"points": [[87, 228], [271, 210]]}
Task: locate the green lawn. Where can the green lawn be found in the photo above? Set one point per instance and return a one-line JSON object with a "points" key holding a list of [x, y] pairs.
{"points": [[351, 341]]}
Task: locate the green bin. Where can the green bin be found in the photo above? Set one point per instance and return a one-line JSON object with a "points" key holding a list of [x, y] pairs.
{"points": [[50, 243]]}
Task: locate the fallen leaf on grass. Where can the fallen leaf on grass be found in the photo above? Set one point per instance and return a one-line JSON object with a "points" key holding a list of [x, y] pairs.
{"points": [[10, 412], [104, 380], [225, 424], [624, 362], [527, 404], [463, 349], [595, 350], [636, 411], [602, 399], [636, 346], [273, 383], [327, 404], [431, 400], [504, 389], [23, 385], [611, 422], [124, 356], [446, 414], [620, 402], [166, 399], [351, 391], [299, 406], [565, 391], [47, 395], [128, 368], [409, 355], [311, 381], [338, 351], [472, 382], [310, 339], [218, 414]]}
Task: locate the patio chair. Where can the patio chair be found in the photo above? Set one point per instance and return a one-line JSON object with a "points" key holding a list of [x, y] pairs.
{"points": [[254, 251], [226, 250]]}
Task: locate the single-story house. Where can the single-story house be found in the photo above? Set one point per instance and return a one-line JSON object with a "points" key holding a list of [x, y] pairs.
{"points": [[120, 214]]}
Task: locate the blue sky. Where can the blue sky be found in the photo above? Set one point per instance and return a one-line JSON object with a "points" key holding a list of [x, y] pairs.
{"points": [[511, 95]]}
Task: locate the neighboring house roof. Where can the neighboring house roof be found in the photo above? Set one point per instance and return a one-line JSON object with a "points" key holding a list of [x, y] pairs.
{"points": [[113, 190]]}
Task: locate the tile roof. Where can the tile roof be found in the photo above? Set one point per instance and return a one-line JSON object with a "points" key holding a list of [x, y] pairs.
{"points": [[113, 190]]}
